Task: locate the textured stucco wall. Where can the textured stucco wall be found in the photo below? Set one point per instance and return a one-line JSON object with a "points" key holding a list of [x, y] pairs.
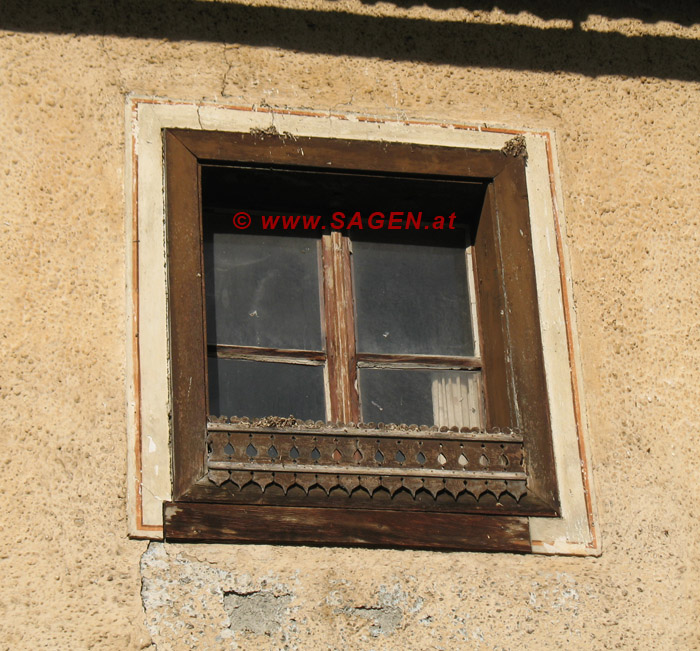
{"points": [[627, 129]]}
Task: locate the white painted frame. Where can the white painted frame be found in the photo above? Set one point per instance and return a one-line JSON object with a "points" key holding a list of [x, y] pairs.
{"points": [[148, 389]]}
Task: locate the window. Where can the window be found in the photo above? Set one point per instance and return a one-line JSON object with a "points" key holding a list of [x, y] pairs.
{"points": [[411, 359], [363, 305]]}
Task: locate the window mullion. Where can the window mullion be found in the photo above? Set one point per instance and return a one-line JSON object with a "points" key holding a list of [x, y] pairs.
{"points": [[340, 329]]}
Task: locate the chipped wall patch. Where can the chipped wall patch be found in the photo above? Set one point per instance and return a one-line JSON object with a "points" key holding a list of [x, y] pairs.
{"points": [[261, 611]]}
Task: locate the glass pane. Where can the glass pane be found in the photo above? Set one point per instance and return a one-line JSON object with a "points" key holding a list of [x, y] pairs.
{"points": [[421, 397], [412, 299], [259, 389], [263, 290]]}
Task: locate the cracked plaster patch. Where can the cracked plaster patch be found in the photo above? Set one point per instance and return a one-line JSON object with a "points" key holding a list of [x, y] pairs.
{"points": [[385, 619], [261, 612], [385, 614], [189, 603], [192, 603]]}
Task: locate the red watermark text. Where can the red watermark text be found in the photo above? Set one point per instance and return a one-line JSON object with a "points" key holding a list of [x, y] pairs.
{"points": [[377, 220]]}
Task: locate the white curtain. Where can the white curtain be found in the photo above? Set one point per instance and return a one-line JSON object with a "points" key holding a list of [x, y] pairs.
{"points": [[457, 400]]}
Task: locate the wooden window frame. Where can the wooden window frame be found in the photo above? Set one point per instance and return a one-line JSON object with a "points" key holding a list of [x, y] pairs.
{"points": [[513, 365]]}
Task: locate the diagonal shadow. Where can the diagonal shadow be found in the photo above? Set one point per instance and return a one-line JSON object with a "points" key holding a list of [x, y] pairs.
{"points": [[682, 12], [343, 34]]}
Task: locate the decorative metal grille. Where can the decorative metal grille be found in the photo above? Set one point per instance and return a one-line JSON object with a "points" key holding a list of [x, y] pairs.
{"points": [[287, 453]]}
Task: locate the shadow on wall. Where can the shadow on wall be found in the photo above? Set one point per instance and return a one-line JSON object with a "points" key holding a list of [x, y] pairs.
{"points": [[339, 33], [648, 11]]}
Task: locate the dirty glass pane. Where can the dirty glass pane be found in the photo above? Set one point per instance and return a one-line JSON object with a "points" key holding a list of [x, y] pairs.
{"points": [[262, 290], [259, 389], [412, 299], [421, 397]]}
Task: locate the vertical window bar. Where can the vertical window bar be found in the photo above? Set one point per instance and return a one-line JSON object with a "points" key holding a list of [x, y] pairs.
{"points": [[340, 329], [472, 302]]}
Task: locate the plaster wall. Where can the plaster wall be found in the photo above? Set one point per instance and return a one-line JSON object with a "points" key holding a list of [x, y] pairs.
{"points": [[628, 146]]}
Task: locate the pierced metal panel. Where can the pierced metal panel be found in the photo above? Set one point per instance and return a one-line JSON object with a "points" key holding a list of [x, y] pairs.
{"points": [[365, 461]]}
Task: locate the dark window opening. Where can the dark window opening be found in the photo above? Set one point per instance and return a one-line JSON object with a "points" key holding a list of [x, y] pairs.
{"points": [[410, 310]]}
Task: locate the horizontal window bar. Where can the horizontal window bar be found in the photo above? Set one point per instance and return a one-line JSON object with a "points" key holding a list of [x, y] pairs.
{"points": [[381, 360], [260, 354], [505, 436], [366, 470]]}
